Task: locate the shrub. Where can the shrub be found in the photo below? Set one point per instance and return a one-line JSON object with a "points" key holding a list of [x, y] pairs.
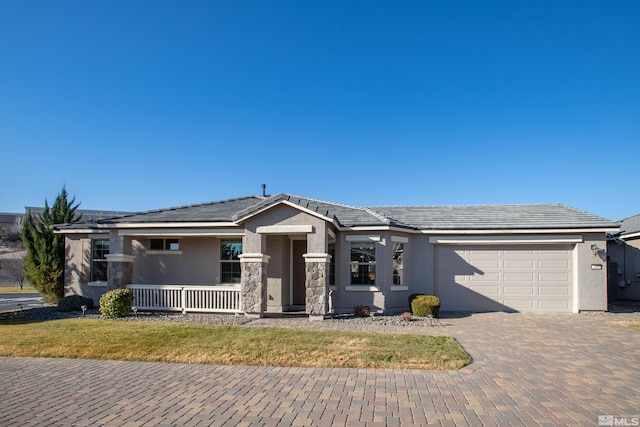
{"points": [[424, 305], [116, 303], [74, 303], [362, 311], [406, 316]]}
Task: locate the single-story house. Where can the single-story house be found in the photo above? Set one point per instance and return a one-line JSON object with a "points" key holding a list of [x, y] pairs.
{"points": [[624, 261], [271, 254]]}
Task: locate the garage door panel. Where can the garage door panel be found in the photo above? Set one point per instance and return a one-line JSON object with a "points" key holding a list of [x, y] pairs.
{"points": [[520, 304], [554, 305], [519, 290], [487, 277], [519, 263], [486, 290], [504, 278], [519, 277], [551, 264], [554, 277], [554, 290], [486, 263]]}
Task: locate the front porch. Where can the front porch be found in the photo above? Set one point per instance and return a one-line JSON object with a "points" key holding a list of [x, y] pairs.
{"points": [[186, 298]]}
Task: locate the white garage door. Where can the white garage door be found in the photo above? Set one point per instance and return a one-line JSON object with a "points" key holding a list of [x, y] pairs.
{"points": [[504, 278]]}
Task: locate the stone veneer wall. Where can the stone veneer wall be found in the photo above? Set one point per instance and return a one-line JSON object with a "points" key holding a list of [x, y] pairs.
{"points": [[316, 288], [119, 274], [254, 287]]}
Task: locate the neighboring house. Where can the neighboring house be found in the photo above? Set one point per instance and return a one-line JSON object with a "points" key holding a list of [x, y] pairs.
{"points": [[624, 261], [270, 254]]}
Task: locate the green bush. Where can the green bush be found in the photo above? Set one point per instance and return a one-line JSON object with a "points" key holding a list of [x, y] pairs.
{"points": [[424, 305], [74, 303], [116, 303]]}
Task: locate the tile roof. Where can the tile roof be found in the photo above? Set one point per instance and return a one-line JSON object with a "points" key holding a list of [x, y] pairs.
{"points": [[630, 225], [482, 217]]}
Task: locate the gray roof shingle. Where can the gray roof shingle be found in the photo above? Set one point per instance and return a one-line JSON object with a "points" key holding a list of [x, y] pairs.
{"points": [[481, 217]]}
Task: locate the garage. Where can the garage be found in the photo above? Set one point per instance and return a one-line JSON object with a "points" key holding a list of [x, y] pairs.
{"points": [[508, 278]]}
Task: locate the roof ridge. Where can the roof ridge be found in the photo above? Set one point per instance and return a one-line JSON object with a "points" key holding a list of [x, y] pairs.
{"points": [[327, 202], [466, 206]]}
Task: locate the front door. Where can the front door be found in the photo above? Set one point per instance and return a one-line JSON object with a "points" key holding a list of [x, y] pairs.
{"points": [[298, 276]]}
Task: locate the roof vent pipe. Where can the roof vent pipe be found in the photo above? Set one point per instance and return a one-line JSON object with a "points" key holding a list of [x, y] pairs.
{"points": [[264, 190]]}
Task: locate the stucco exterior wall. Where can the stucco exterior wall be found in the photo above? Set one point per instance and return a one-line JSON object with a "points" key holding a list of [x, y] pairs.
{"points": [[197, 263], [77, 271], [627, 258], [591, 284]]}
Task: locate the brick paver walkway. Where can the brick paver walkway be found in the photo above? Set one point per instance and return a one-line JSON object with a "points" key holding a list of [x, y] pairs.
{"points": [[532, 370]]}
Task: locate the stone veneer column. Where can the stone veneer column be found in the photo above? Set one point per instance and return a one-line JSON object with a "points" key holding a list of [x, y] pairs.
{"points": [[119, 270], [317, 272], [253, 284]]}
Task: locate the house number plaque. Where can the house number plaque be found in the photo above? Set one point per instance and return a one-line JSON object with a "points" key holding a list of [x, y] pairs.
{"points": [[596, 266]]}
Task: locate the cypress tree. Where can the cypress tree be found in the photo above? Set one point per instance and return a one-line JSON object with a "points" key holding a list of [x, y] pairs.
{"points": [[44, 261]]}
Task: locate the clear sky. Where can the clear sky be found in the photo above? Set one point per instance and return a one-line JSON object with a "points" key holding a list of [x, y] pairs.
{"points": [[145, 104]]}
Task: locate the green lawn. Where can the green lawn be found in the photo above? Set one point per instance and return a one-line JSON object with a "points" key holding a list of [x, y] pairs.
{"points": [[225, 345]]}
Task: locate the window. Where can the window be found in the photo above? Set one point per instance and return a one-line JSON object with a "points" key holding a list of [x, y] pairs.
{"points": [[99, 252], [332, 263], [363, 263], [164, 245], [230, 251], [398, 264]]}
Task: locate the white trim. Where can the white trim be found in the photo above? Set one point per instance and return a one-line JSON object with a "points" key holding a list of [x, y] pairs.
{"points": [[399, 239], [522, 231], [181, 232], [285, 229], [254, 257], [162, 252], [483, 231], [630, 236], [317, 257], [180, 225], [99, 283], [498, 240], [361, 238], [395, 288], [331, 233], [81, 231], [362, 288], [119, 258]]}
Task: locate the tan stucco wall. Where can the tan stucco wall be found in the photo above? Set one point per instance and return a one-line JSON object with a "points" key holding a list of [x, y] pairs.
{"points": [[197, 264], [591, 284]]}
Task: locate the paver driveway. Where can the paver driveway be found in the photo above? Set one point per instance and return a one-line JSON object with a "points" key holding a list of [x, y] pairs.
{"points": [[548, 370]]}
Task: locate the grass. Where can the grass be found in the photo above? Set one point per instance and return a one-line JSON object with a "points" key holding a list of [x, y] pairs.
{"points": [[16, 289], [225, 345], [629, 324]]}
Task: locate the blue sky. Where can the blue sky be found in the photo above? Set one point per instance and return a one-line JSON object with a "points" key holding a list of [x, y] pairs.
{"points": [[137, 105]]}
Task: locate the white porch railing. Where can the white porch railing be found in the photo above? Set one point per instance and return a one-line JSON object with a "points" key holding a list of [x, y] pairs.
{"points": [[218, 299]]}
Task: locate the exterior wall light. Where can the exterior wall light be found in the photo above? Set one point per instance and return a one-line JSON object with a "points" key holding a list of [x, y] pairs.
{"points": [[595, 249]]}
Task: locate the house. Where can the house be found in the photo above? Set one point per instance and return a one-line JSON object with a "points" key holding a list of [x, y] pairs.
{"points": [[271, 254], [623, 249]]}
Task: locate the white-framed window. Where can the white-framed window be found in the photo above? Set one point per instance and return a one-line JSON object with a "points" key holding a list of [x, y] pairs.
{"points": [[99, 252], [230, 269], [363, 263], [164, 245], [398, 264]]}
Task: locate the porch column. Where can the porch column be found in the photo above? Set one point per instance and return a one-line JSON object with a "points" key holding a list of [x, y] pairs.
{"points": [[253, 284], [317, 271], [119, 270]]}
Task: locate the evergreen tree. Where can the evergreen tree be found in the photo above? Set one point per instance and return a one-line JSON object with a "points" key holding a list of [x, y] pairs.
{"points": [[44, 261]]}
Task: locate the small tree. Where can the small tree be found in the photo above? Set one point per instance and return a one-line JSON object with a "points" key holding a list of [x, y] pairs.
{"points": [[44, 261], [14, 264]]}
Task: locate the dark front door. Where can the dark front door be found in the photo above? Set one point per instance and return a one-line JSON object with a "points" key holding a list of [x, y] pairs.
{"points": [[298, 278]]}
